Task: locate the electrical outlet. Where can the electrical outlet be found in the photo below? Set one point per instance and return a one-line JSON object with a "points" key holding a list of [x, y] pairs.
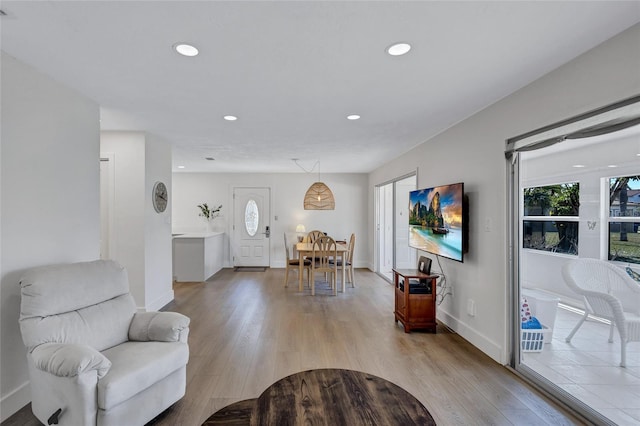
{"points": [[471, 307]]}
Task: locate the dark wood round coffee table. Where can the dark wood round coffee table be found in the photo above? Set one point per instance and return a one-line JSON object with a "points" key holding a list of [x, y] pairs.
{"points": [[327, 397]]}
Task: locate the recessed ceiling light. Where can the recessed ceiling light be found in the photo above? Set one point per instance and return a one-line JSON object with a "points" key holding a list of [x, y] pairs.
{"points": [[181, 167], [353, 117], [230, 117], [185, 49], [612, 166], [578, 166], [398, 49]]}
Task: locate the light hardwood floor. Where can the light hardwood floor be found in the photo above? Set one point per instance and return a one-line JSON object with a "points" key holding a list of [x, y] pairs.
{"points": [[247, 331]]}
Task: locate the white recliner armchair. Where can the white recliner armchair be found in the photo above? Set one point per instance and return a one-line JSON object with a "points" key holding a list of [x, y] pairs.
{"points": [[93, 360]]}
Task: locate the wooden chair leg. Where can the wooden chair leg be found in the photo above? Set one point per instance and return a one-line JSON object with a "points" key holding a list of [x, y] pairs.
{"points": [[286, 277], [308, 276]]}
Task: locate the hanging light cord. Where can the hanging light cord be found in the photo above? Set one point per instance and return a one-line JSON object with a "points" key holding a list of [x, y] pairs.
{"points": [[317, 163]]}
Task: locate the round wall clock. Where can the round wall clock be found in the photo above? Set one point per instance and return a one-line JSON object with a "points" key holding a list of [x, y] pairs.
{"points": [[160, 197]]}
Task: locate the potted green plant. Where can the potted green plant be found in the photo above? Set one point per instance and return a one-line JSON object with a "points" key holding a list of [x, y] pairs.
{"points": [[209, 213]]}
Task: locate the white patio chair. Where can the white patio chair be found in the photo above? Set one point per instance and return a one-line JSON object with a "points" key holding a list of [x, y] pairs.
{"points": [[602, 285]]}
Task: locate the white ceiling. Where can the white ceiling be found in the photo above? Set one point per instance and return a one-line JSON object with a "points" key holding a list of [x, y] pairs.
{"points": [[293, 71]]}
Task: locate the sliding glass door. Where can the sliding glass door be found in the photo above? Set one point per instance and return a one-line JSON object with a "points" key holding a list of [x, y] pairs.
{"points": [[392, 241], [575, 193]]}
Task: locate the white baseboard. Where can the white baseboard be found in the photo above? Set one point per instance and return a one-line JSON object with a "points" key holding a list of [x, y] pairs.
{"points": [[161, 301], [14, 401], [480, 341]]}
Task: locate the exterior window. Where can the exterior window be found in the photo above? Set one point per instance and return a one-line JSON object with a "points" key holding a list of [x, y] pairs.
{"points": [[624, 219], [551, 218], [251, 218]]}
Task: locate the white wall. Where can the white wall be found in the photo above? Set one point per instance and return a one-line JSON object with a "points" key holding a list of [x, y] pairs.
{"points": [[158, 248], [405, 256], [287, 194], [128, 149], [473, 152], [50, 199], [143, 237]]}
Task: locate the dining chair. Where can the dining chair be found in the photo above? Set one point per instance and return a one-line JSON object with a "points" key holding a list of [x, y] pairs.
{"points": [[295, 264], [313, 235], [323, 249], [348, 260]]}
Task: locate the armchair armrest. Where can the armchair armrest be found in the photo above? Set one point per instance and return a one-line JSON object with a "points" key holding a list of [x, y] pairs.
{"points": [[69, 360], [159, 327]]}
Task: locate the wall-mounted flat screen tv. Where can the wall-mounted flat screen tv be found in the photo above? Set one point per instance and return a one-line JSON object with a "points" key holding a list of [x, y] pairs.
{"points": [[436, 220]]}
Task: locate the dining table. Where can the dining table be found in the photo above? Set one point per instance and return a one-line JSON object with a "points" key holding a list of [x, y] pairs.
{"points": [[306, 249]]}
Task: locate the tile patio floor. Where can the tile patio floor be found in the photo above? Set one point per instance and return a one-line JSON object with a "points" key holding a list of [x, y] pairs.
{"points": [[588, 367]]}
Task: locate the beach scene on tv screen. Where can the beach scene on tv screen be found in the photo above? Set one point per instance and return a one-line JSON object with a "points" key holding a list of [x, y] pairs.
{"points": [[435, 220]]}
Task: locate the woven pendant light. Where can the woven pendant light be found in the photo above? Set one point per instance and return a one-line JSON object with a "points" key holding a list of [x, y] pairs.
{"points": [[319, 197]]}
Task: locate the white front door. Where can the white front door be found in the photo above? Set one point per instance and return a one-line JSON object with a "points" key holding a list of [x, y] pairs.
{"points": [[251, 227]]}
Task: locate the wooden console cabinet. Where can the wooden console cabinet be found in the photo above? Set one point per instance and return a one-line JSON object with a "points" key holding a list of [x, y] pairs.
{"points": [[414, 310]]}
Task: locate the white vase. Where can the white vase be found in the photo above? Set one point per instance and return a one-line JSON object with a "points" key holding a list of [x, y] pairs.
{"points": [[209, 226]]}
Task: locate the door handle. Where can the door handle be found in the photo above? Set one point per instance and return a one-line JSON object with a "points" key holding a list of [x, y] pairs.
{"points": [[267, 232]]}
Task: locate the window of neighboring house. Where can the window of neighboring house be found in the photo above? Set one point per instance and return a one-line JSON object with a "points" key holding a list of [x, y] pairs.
{"points": [[543, 206], [624, 219]]}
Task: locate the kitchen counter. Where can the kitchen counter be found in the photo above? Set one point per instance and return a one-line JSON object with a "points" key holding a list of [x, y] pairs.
{"points": [[196, 234], [197, 256]]}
